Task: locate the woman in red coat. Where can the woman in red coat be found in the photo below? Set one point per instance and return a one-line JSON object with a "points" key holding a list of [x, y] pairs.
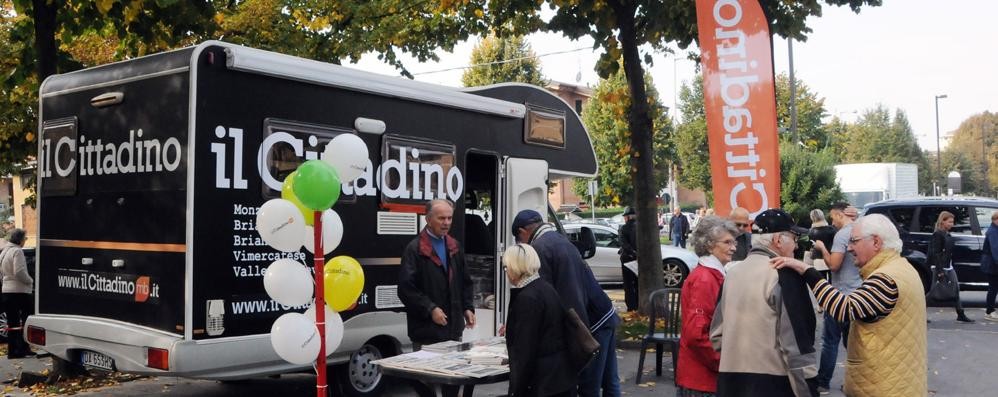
{"points": [[714, 242]]}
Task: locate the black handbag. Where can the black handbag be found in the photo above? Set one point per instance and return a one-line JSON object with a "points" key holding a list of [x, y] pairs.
{"points": [[582, 348], [943, 289]]}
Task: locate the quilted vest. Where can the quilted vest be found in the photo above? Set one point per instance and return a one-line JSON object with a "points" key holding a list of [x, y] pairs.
{"points": [[888, 357]]}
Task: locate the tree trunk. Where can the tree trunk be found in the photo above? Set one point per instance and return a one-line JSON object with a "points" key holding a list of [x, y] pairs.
{"points": [[642, 162], [44, 13]]}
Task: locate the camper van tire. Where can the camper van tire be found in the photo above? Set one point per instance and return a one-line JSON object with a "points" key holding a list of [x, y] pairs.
{"points": [[674, 272], [358, 377], [3, 327]]}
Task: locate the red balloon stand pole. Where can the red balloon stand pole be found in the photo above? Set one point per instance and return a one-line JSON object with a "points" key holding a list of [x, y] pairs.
{"points": [[320, 308]]}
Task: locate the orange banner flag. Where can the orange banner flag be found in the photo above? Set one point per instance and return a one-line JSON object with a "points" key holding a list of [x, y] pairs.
{"points": [[740, 104]]}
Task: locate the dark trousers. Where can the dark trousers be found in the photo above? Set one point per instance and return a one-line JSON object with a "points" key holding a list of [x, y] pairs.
{"points": [[833, 332], [423, 389], [992, 292], [630, 288], [17, 306]]}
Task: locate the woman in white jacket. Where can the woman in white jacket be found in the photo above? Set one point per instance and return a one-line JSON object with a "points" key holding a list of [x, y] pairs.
{"points": [[17, 287]]}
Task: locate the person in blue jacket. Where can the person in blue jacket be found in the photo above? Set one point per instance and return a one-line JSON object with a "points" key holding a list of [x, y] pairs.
{"points": [[563, 267], [989, 265]]}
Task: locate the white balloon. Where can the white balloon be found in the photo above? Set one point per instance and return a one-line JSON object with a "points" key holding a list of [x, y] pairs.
{"points": [[334, 327], [295, 338], [288, 282], [332, 233], [347, 153], [281, 225]]}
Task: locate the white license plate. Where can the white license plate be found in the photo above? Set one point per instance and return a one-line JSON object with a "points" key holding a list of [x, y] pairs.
{"points": [[96, 360]]}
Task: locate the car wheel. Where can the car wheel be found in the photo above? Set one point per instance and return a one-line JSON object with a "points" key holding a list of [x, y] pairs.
{"points": [[3, 326], [360, 377], [674, 272]]}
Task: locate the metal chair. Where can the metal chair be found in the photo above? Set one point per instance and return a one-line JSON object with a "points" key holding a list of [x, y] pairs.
{"points": [[664, 305]]}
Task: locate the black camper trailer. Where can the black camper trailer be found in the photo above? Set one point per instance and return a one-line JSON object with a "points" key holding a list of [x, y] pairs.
{"points": [[151, 172]]}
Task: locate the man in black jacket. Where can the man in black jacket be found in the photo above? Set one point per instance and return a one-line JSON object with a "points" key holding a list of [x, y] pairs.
{"points": [[629, 252], [563, 267], [434, 284]]}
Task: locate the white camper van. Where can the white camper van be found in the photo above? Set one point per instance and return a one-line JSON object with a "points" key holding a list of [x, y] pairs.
{"points": [[151, 172]]}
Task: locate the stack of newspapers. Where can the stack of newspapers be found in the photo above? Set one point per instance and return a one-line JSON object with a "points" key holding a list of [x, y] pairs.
{"points": [[479, 359]]}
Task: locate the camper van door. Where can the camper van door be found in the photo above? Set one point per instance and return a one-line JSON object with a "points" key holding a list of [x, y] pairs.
{"points": [[524, 187]]}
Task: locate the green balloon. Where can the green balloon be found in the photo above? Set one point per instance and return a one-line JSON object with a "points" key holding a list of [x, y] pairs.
{"points": [[317, 185]]}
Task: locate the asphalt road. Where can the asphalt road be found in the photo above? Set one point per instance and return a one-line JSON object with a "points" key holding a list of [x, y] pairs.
{"points": [[960, 358]]}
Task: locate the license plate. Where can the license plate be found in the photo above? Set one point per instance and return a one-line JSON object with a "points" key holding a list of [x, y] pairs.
{"points": [[96, 360]]}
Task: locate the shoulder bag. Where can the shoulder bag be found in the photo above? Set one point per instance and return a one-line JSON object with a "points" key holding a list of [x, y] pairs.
{"points": [[579, 343]]}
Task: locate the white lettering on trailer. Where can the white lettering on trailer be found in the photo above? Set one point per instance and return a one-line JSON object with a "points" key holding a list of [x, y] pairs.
{"points": [[94, 157], [449, 185]]}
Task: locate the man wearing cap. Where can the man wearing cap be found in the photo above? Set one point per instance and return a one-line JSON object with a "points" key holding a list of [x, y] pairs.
{"points": [[887, 335], [845, 277], [765, 323], [629, 252], [563, 267]]}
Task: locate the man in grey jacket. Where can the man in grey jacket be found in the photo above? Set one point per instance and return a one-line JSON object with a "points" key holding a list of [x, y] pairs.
{"points": [[17, 287], [765, 323]]}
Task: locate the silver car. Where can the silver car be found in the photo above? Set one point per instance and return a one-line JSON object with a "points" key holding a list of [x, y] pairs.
{"points": [[676, 262]]}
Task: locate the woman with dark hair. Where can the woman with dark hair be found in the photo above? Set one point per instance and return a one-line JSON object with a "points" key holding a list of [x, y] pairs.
{"points": [[696, 371], [538, 359], [941, 258]]}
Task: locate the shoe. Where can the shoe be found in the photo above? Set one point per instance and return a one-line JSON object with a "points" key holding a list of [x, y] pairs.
{"points": [[993, 316], [964, 319], [822, 390]]}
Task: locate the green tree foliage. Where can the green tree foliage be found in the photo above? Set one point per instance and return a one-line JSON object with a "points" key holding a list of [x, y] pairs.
{"points": [[807, 180], [879, 137], [503, 59], [972, 148], [605, 118], [810, 109]]}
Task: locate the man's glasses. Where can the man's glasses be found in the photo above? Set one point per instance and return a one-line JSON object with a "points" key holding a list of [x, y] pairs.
{"points": [[854, 240]]}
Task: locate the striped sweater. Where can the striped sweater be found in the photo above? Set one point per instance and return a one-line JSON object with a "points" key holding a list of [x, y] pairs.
{"points": [[872, 301]]}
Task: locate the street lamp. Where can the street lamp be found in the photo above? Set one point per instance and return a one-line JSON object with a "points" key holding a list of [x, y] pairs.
{"points": [[939, 163]]}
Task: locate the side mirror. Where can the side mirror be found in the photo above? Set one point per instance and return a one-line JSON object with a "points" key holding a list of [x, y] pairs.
{"points": [[586, 244]]}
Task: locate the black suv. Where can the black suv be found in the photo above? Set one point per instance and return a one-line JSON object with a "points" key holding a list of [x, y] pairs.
{"points": [[916, 220]]}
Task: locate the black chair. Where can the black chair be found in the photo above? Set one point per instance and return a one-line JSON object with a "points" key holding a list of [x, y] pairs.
{"points": [[664, 305]]}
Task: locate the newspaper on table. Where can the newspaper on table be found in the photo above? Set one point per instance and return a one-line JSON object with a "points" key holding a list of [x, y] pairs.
{"points": [[482, 358]]}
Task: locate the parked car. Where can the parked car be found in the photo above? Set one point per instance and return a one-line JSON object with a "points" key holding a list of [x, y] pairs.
{"points": [[676, 262], [916, 219]]}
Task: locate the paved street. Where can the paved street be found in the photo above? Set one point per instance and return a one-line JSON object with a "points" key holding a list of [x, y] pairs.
{"points": [[959, 355]]}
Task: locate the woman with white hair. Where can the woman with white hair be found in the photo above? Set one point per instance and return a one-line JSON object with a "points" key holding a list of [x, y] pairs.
{"points": [[17, 287], [941, 258], [697, 369], [538, 359]]}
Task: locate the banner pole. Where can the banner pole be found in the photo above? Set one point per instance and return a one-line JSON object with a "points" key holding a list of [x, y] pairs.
{"points": [[320, 306]]}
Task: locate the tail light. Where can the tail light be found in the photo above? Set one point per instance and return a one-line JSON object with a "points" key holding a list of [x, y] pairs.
{"points": [[158, 358], [36, 335]]}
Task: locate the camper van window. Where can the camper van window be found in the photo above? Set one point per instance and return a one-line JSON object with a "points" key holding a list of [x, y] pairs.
{"points": [[545, 127], [281, 157], [57, 165], [414, 171]]}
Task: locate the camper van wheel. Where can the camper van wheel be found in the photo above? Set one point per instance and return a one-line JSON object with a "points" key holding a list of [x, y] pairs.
{"points": [[3, 327], [673, 273], [359, 377]]}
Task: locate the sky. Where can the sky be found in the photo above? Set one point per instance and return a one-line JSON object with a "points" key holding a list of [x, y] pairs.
{"points": [[901, 54]]}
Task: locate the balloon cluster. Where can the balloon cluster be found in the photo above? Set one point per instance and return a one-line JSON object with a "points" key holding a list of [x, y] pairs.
{"points": [[286, 224]]}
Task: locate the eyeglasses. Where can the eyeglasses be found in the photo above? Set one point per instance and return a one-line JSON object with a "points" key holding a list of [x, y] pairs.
{"points": [[854, 240], [728, 242]]}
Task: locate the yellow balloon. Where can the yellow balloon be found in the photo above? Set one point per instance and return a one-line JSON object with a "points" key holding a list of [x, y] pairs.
{"points": [[343, 280], [288, 193]]}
